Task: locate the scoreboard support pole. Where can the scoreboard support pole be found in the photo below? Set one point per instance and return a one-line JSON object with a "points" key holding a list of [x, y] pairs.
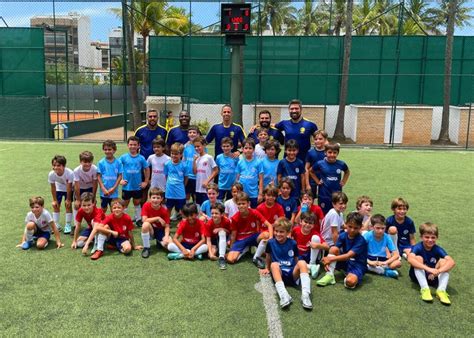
{"points": [[236, 85]]}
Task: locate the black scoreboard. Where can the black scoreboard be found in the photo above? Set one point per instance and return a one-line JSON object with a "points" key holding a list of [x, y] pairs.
{"points": [[235, 18]]}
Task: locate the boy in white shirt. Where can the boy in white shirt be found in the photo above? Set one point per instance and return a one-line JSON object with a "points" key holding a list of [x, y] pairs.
{"points": [[61, 180], [334, 220], [205, 169], [157, 163]]}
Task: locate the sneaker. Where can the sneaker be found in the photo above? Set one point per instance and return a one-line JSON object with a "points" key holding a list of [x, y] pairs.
{"points": [[314, 270], [146, 252], [67, 229], [139, 223], [391, 273], [426, 295], [97, 255], [26, 245], [174, 217], [327, 279], [306, 302], [443, 297], [222, 263], [259, 262], [199, 257], [285, 301], [59, 226], [174, 256]]}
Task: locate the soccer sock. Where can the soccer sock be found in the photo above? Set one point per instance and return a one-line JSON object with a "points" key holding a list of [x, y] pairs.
{"points": [[138, 212], [222, 243], [332, 266], [173, 248], [29, 235], [394, 238], [305, 283], [68, 218], [377, 269], [443, 279], [202, 249], [146, 239], [421, 278], [56, 216], [281, 290], [74, 213], [260, 249], [80, 244], [100, 242], [314, 252]]}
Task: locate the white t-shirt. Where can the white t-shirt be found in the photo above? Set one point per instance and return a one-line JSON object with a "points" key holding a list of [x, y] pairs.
{"points": [[62, 181], [42, 222], [85, 178], [333, 219], [204, 164], [157, 163], [230, 207], [259, 152]]}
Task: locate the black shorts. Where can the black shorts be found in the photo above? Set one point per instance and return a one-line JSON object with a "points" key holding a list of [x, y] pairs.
{"points": [[191, 186], [129, 194]]}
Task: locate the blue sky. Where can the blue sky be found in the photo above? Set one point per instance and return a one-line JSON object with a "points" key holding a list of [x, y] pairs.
{"points": [[17, 14]]}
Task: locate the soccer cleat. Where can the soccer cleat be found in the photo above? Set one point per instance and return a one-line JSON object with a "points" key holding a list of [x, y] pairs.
{"points": [[426, 295], [139, 223], [97, 255], [327, 279], [67, 229], [285, 301], [174, 256], [443, 297], [199, 257], [259, 262], [26, 245], [222, 263], [306, 302], [59, 227], [314, 270], [391, 273], [146, 252]]}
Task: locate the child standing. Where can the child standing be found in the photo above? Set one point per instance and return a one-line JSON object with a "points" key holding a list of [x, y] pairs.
{"points": [[289, 204], [334, 221], [226, 162], [282, 262], [212, 193], [293, 168], [400, 227], [270, 163], [91, 214], [61, 180], [216, 230], [177, 177], [231, 205], [205, 169], [157, 164], [109, 175], [314, 155], [262, 139], [188, 158], [250, 173]]}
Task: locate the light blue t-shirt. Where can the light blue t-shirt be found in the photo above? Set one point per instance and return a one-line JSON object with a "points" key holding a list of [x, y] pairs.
{"points": [[109, 172], [227, 166], [132, 170], [270, 171], [175, 173], [188, 158], [249, 172], [206, 207], [378, 248]]}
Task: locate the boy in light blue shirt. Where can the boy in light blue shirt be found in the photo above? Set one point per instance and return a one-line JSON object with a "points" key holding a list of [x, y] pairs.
{"points": [[250, 173], [109, 174], [176, 179], [270, 162], [188, 158], [227, 163]]}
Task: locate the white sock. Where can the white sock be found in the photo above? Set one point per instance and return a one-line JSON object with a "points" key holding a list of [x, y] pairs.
{"points": [[74, 213], [68, 217], [443, 279], [305, 283], [80, 244], [173, 248], [56, 216], [222, 243], [394, 238], [281, 290], [260, 248], [29, 235], [377, 269], [246, 249], [332, 266], [100, 242], [421, 278], [314, 252], [202, 249], [146, 239], [138, 212]]}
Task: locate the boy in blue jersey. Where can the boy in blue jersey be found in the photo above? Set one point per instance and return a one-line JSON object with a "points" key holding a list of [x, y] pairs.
{"points": [[379, 245], [430, 264], [331, 176], [109, 175], [401, 227], [289, 204], [176, 179], [293, 168], [315, 154], [212, 193], [349, 254], [250, 173], [188, 158], [227, 164], [283, 264], [270, 163], [134, 165]]}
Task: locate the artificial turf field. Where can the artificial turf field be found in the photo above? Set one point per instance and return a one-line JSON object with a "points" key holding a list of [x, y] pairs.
{"points": [[61, 292]]}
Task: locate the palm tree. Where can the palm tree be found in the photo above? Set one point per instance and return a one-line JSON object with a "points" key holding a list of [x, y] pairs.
{"points": [[417, 21], [340, 17], [278, 15], [437, 16], [364, 13]]}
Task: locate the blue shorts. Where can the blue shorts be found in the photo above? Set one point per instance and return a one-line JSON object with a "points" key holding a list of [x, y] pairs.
{"points": [[403, 247], [41, 234], [201, 197], [81, 191], [117, 242], [287, 276], [129, 194], [158, 233], [105, 202], [187, 245], [433, 282], [241, 244], [86, 232], [306, 256], [253, 202], [224, 195], [354, 268], [376, 258], [191, 186], [60, 195], [178, 204]]}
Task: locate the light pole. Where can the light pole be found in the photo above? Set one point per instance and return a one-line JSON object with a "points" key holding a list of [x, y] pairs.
{"points": [[110, 73]]}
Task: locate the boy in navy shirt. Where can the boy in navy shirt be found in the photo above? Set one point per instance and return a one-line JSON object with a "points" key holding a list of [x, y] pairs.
{"points": [[315, 154], [348, 254], [400, 227], [293, 168], [289, 204], [282, 261], [430, 265]]}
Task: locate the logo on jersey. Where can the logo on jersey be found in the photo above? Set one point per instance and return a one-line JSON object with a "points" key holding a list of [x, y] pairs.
{"points": [[338, 171], [432, 260], [196, 234], [124, 227], [253, 225], [405, 231], [287, 208], [270, 138], [204, 164], [232, 134], [291, 253], [297, 170], [302, 130]]}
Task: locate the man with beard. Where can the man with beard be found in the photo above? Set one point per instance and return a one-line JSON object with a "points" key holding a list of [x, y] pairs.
{"points": [[298, 128], [148, 132], [265, 120], [179, 133]]}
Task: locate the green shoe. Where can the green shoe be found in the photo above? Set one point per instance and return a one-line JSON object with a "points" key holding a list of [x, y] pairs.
{"points": [[443, 297], [174, 256], [328, 279], [426, 295]]}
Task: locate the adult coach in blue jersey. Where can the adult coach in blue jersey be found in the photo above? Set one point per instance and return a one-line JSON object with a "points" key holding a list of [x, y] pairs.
{"points": [[148, 132], [179, 133], [226, 129], [298, 128], [265, 121]]}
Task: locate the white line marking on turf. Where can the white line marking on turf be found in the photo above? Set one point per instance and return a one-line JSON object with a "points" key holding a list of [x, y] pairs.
{"points": [[266, 288], [4, 149]]}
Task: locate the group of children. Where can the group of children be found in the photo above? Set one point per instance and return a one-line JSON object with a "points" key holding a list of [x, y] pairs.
{"points": [[263, 202]]}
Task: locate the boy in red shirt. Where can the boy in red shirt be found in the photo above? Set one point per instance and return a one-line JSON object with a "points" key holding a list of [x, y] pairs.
{"points": [[91, 214], [156, 221], [306, 199], [270, 209], [216, 230], [188, 241], [246, 226]]}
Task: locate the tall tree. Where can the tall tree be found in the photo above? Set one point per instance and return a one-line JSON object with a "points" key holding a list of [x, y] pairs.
{"points": [[278, 16], [437, 16]]}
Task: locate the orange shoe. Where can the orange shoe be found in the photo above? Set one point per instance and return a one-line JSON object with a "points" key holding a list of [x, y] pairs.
{"points": [[96, 255]]}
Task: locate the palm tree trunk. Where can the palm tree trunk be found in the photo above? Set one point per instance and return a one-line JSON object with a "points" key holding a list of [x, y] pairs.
{"points": [[137, 119], [339, 132]]}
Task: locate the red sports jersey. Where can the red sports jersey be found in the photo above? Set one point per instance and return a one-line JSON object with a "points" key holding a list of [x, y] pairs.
{"points": [[318, 212], [97, 215], [122, 224], [270, 214], [210, 226], [191, 233], [247, 226], [150, 212], [303, 240]]}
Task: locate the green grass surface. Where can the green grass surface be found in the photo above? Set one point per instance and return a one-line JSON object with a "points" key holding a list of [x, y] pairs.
{"points": [[60, 292]]}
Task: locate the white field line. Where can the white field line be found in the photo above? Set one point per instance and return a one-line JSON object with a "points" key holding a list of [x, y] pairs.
{"points": [[5, 149], [266, 288]]}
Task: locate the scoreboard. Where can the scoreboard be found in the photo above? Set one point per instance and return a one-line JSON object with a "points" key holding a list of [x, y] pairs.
{"points": [[235, 18]]}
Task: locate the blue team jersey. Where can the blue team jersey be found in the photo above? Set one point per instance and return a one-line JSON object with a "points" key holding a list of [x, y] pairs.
{"points": [[175, 174], [313, 157], [358, 245], [218, 132], [331, 174], [301, 132], [109, 172], [206, 207], [283, 253], [430, 257], [132, 170], [227, 166], [378, 248], [404, 230], [290, 205], [273, 134], [176, 134], [147, 135], [188, 158], [292, 170], [270, 171], [249, 172]]}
